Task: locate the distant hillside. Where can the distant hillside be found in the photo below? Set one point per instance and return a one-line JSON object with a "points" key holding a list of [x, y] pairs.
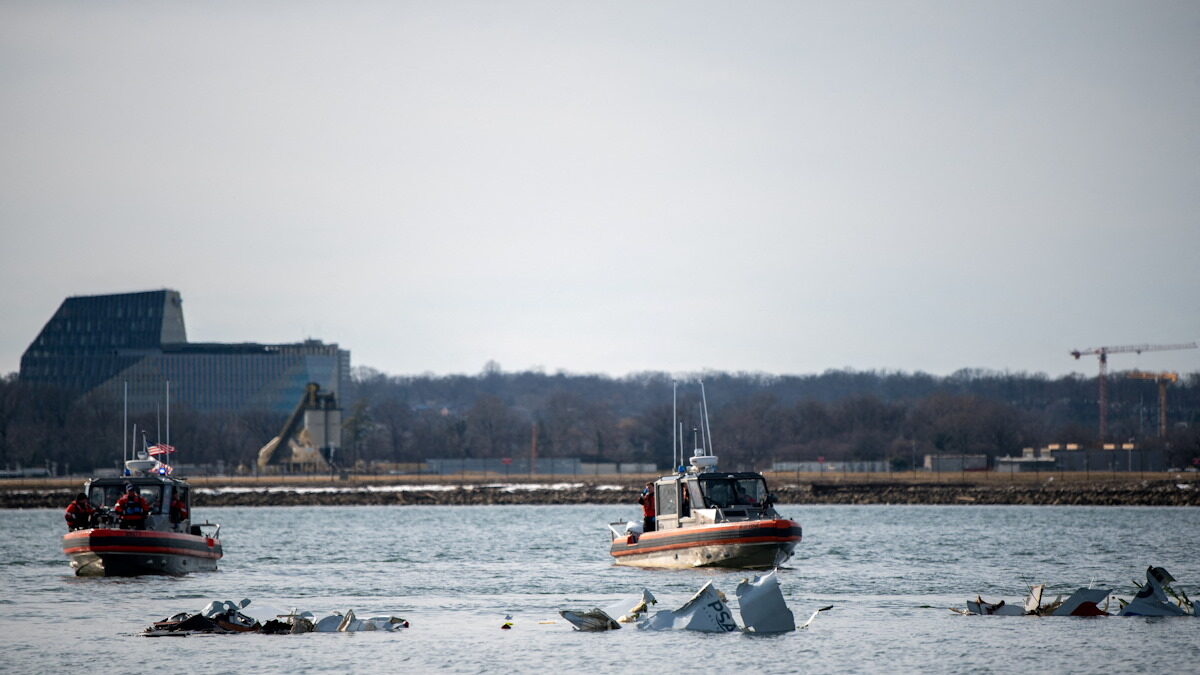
{"points": [[755, 418]]}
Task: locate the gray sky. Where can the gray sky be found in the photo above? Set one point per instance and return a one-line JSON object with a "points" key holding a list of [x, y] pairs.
{"points": [[613, 187]]}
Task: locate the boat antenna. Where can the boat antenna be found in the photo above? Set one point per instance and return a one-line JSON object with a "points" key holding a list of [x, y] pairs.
{"points": [[708, 429], [125, 425], [674, 438], [168, 412], [681, 458], [133, 443]]}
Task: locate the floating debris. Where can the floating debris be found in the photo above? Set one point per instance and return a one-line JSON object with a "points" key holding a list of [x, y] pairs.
{"points": [[813, 616], [592, 621], [227, 617], [1151, 600], [706, 612], [1083, 602], [626, 610], [760, 603]]}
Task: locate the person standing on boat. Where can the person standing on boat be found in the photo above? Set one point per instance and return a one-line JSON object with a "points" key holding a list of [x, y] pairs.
{"points": [[179, 509], [647, 502], [79, 513], [132, 508]]}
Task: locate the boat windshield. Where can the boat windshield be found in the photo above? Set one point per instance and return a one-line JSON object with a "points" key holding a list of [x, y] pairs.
{"points": [[727, 492], [107, 495]]}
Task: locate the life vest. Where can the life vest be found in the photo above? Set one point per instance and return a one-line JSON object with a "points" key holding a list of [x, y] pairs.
{"points": [[131, 507], [647, 502], [77, 513]]}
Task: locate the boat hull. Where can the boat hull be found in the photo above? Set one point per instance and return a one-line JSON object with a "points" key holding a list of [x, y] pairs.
{"points": [[757, 544], [108, 553]]}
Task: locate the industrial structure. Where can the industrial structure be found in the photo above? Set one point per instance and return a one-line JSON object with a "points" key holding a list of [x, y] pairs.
{"points": [[1102, 353], [1109, 457], [310, 437], [105, 342], [1162, 379]]}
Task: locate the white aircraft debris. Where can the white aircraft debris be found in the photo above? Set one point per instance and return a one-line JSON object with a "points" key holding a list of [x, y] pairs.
{"points": [[626, 610], [594, 620], [760, 602], [1151, 599], [706, 611]]}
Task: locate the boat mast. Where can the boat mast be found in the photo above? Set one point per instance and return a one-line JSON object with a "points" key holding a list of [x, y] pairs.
{"points": [[125, 425], [708, 429], [674, 438], [681, 453]]}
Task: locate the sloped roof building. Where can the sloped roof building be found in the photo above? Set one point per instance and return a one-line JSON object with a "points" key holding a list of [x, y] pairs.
{"points": [[102, 342]]}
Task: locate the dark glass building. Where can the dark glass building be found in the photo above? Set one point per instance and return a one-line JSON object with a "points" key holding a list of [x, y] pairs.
{"points": [[105, 341]]}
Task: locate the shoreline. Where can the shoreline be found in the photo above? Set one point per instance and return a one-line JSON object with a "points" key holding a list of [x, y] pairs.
{"points": [[1156, 492]]}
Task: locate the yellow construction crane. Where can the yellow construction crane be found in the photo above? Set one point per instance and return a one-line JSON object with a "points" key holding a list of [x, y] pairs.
{"points": [[1103, 353], [1163, 379]]}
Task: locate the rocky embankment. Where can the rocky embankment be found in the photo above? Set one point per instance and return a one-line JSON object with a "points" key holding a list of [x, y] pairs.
{"points": [[1147, 493], [1143, 493]]}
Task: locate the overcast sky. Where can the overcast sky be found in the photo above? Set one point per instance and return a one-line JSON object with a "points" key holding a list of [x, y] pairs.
{"points": [[613, 187]]}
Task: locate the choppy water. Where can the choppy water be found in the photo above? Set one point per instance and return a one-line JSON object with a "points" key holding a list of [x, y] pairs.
{"points": [[454, 572]]}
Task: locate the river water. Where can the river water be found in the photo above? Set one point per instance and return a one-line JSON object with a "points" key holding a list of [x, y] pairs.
{"points": [[455, 572]]}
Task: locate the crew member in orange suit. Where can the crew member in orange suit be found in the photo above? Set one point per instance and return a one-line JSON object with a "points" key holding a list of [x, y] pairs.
{"points": [[647, 502], [132, 508], [79, 513]]}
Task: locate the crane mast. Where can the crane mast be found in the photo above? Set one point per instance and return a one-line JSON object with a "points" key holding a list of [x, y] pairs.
{"points": [[1162, 379], [1103, 352]]}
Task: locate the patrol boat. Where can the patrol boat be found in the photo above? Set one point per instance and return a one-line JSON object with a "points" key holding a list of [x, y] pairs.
{"points": [[708, 518], [163, 547]]}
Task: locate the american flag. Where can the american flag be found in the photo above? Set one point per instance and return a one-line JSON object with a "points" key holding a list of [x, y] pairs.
{"points": [[160, 449]]}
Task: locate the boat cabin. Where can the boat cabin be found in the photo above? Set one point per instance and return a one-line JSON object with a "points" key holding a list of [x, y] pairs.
{"points": [[684, 500], [157, 490]]}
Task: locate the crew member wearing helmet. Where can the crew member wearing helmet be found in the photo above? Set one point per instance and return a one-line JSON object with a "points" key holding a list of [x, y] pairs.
{"points": [[132, 508]]}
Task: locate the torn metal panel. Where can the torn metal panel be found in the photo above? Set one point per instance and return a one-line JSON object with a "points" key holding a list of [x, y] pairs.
{"points": [[328, 624], [625, 610], [1083, 602], [591, 621], [1034, 602], [629, 610], [1152, 599], [760, 602], [985, 608], [706, 611]]}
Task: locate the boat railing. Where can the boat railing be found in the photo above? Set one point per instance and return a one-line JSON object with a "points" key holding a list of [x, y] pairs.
{"points": [[105, 518], [198, 530]]}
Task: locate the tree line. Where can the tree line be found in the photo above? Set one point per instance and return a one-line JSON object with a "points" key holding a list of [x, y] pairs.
{"points": [[755, 419]]}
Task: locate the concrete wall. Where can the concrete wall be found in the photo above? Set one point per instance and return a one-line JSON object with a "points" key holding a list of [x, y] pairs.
{"points": [[818, 467], [949, 463]]}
